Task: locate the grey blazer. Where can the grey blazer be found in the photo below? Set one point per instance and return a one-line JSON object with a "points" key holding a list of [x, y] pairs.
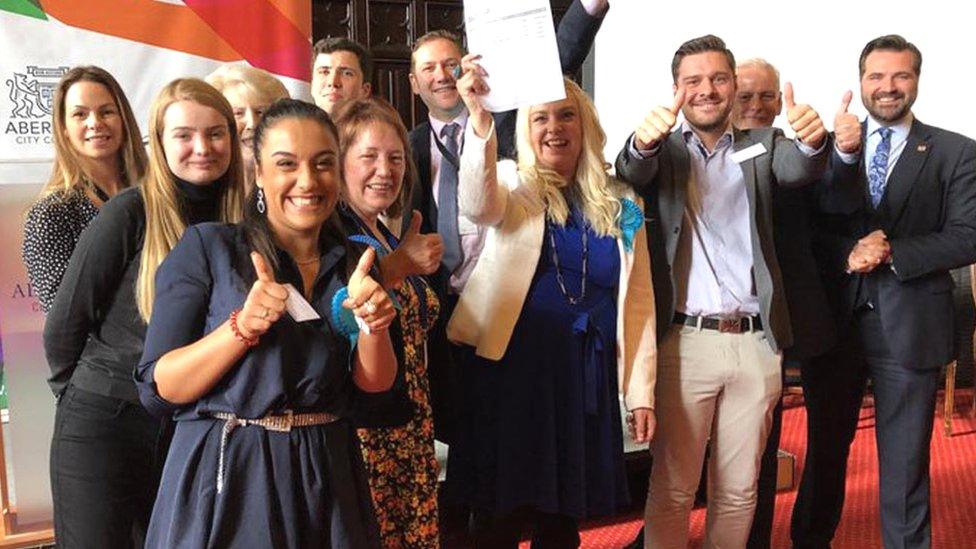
{"points": [[662, 181]]}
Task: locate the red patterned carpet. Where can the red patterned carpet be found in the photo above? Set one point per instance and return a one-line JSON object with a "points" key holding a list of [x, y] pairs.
{"points": [[953, 489]]}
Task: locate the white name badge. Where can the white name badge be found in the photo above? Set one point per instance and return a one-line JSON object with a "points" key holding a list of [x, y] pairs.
{"points": [[747, 153], [297, 307]]}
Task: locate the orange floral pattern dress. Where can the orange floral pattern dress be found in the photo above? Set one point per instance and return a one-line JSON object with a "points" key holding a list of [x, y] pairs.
{"points": [[400, 461]]}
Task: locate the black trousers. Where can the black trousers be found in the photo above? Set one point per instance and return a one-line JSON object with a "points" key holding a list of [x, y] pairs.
{"points": [[106, 458], [904, 411], [549, 531]]}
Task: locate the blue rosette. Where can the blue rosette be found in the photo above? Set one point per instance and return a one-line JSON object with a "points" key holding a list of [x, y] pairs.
{"points": [[371, 242], [631, 218], [342, 318]]}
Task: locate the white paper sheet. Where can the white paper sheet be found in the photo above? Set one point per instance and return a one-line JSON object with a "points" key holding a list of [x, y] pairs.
{"points": [[517, 42]]}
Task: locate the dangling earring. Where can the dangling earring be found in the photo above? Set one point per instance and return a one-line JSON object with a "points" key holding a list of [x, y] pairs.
{"points": [[261, 207]]}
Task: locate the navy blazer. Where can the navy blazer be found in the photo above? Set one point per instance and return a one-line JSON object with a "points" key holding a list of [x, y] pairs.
{"points": [[928, 213]]}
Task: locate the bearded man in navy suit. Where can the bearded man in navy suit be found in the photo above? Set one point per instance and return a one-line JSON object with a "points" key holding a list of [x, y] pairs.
{"points": [[896, 217]]}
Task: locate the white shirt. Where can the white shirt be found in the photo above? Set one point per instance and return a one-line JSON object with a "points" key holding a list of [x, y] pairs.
{"points": [[713, 263], [899, 137]]}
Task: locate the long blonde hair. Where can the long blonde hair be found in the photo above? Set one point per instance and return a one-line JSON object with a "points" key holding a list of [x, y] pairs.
{"points": [[164, 219], [591, 186], [69, 172]]}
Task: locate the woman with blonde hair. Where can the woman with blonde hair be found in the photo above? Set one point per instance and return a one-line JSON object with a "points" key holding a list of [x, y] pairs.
{"points": [[250, 91], [105, 454], [97, 153], [560, 313]]}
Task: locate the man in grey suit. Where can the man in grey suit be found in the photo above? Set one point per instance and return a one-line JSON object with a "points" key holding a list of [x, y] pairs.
{"points": [[898, 216], [721, 310]]}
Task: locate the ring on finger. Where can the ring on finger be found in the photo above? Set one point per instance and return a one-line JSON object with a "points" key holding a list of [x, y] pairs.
{"points": [[369, 306]]}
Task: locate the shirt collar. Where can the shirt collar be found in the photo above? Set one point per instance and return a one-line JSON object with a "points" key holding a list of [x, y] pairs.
{"points": [[437, 125], [899, 130], [727, 138]]}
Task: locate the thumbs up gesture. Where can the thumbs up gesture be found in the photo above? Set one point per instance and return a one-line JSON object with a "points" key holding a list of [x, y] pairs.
{"points": [[367, 299], [847, 128], [658, 123], [804, 120], [418, 253], [265, 302]]}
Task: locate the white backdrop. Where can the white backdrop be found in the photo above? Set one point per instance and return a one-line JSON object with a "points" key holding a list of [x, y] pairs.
{"points": [[815, 48]]}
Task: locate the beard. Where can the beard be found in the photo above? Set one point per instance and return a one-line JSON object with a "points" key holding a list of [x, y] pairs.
{"points": [[892, 113], [708, 125]]}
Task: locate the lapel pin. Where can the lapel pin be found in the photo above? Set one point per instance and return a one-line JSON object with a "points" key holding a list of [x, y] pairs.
{"points": [[922, 147]]}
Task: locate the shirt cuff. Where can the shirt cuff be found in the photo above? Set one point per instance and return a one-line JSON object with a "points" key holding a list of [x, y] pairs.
{"points": [[470, 136], [637, 153], [809, 151], [847, 158], [595, 8]]}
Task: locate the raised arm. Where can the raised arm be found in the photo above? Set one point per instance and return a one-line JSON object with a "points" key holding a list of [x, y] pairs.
{"points": [[577, 31], [186, 373], [800, 161], [375, 365], [637, 163], [480, 198]]}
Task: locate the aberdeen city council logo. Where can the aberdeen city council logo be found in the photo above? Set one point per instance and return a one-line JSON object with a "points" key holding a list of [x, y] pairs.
{"points": [[31, 96]]}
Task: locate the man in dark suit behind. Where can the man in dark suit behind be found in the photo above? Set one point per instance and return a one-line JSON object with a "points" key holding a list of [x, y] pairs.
{"points": [[758, 102], [897, 217]]}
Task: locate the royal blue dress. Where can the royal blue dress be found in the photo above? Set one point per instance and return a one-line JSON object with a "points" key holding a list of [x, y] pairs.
{"points": [[297, 489], [544, 427]]}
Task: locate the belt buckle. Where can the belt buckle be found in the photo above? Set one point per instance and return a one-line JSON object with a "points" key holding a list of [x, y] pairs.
{"points": [[729, 325]]}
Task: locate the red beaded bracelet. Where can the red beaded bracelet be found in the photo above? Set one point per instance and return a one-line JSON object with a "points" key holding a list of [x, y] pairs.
{"points": [[249, 341]]}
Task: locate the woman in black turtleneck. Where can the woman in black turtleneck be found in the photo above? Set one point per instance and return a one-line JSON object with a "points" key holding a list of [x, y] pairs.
{"points": [[106, 454]]}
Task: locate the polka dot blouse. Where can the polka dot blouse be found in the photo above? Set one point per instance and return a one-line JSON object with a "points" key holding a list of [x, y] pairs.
{"points": [[51, 232]]}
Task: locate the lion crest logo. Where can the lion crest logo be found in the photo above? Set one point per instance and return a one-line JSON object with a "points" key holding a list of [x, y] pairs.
{"points": [[32, 97]]}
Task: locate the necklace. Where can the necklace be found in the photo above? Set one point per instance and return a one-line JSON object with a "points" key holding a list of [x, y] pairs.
{"points": [[308, 261], [97, 191], [573, 300]]}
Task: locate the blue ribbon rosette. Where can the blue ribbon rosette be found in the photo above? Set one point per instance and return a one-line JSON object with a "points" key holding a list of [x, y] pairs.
{"points": [[631, 218]]}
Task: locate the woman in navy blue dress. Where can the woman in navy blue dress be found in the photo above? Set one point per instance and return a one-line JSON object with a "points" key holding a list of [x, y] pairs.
{"points": [[252, 347], [560, 312]]}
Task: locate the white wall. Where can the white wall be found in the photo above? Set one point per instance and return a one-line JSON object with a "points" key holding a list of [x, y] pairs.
{"points": [[815, 48]]}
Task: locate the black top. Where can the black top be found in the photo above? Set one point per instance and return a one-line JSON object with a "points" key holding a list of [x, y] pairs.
{"points": [[299, 366], [52, 228], [94, 335]]}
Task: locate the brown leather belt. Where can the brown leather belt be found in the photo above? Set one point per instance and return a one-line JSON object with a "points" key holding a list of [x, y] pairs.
{"points": [[737, 325]]}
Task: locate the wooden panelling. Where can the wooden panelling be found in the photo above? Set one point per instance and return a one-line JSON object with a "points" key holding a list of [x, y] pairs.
{"points": [[389, 28], [331, 19]]}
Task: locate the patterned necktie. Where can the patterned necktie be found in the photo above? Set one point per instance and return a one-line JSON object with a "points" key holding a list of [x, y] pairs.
{"points": [[878, 171], [447, 207]]}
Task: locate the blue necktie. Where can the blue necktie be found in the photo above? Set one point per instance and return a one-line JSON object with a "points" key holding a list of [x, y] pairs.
{"points": [[447, 206], [878, 171]]}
